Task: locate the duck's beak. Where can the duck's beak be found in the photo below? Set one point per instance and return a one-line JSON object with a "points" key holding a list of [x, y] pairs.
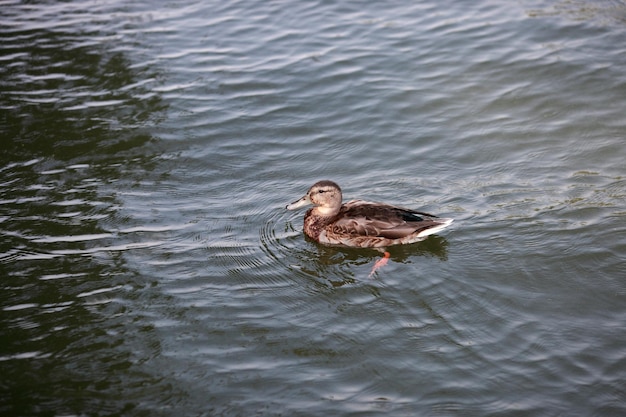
{"points": [[300, 203]]}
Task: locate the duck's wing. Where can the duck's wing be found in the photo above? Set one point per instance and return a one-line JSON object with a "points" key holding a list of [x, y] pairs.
{"points": [[362, 218]]}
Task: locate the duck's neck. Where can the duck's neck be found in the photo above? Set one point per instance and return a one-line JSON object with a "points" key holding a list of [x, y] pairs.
{"points": [[326, 211]]}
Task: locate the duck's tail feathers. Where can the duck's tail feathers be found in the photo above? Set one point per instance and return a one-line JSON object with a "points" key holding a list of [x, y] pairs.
{"points": [[441, 223]]}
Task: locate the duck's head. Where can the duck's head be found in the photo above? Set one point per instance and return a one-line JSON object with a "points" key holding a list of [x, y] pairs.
{"points": [[324, 195]]}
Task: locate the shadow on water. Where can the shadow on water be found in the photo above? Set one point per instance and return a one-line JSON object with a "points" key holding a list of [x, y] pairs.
{"points": [[346, 259], [72, 117]]}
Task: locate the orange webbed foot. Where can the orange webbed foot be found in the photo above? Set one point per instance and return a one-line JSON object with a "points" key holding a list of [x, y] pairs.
{"points": [[380, 263]]}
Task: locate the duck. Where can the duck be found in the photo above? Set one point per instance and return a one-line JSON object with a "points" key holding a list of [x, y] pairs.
{"points": [[362, 224]]}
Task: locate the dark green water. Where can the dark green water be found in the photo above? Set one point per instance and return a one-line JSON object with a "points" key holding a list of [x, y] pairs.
{"points": [[147, 264]]}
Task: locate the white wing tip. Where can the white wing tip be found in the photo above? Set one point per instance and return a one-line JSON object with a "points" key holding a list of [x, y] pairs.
{"points": [[443, 223]]}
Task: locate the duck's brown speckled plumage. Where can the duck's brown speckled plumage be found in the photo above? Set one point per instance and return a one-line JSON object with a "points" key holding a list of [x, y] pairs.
{"points": [[360, 223]]}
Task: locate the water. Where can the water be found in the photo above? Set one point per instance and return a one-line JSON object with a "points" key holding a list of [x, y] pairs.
{"points": [[148, 264]]}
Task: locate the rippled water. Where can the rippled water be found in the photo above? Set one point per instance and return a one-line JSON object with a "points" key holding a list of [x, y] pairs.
{"points": [[149, 149]]}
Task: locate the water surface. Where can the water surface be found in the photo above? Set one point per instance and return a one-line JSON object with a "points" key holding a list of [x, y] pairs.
{"points": [[149, 149]]}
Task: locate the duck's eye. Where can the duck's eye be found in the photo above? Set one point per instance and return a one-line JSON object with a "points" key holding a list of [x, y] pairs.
{"points": [[321, 191]]}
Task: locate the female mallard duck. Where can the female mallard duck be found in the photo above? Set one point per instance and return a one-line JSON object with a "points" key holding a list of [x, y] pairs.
{"points": [[360, 223]]}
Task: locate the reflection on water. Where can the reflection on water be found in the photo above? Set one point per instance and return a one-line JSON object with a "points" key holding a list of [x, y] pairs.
{"points": [[71, 117], [342, 265]]}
